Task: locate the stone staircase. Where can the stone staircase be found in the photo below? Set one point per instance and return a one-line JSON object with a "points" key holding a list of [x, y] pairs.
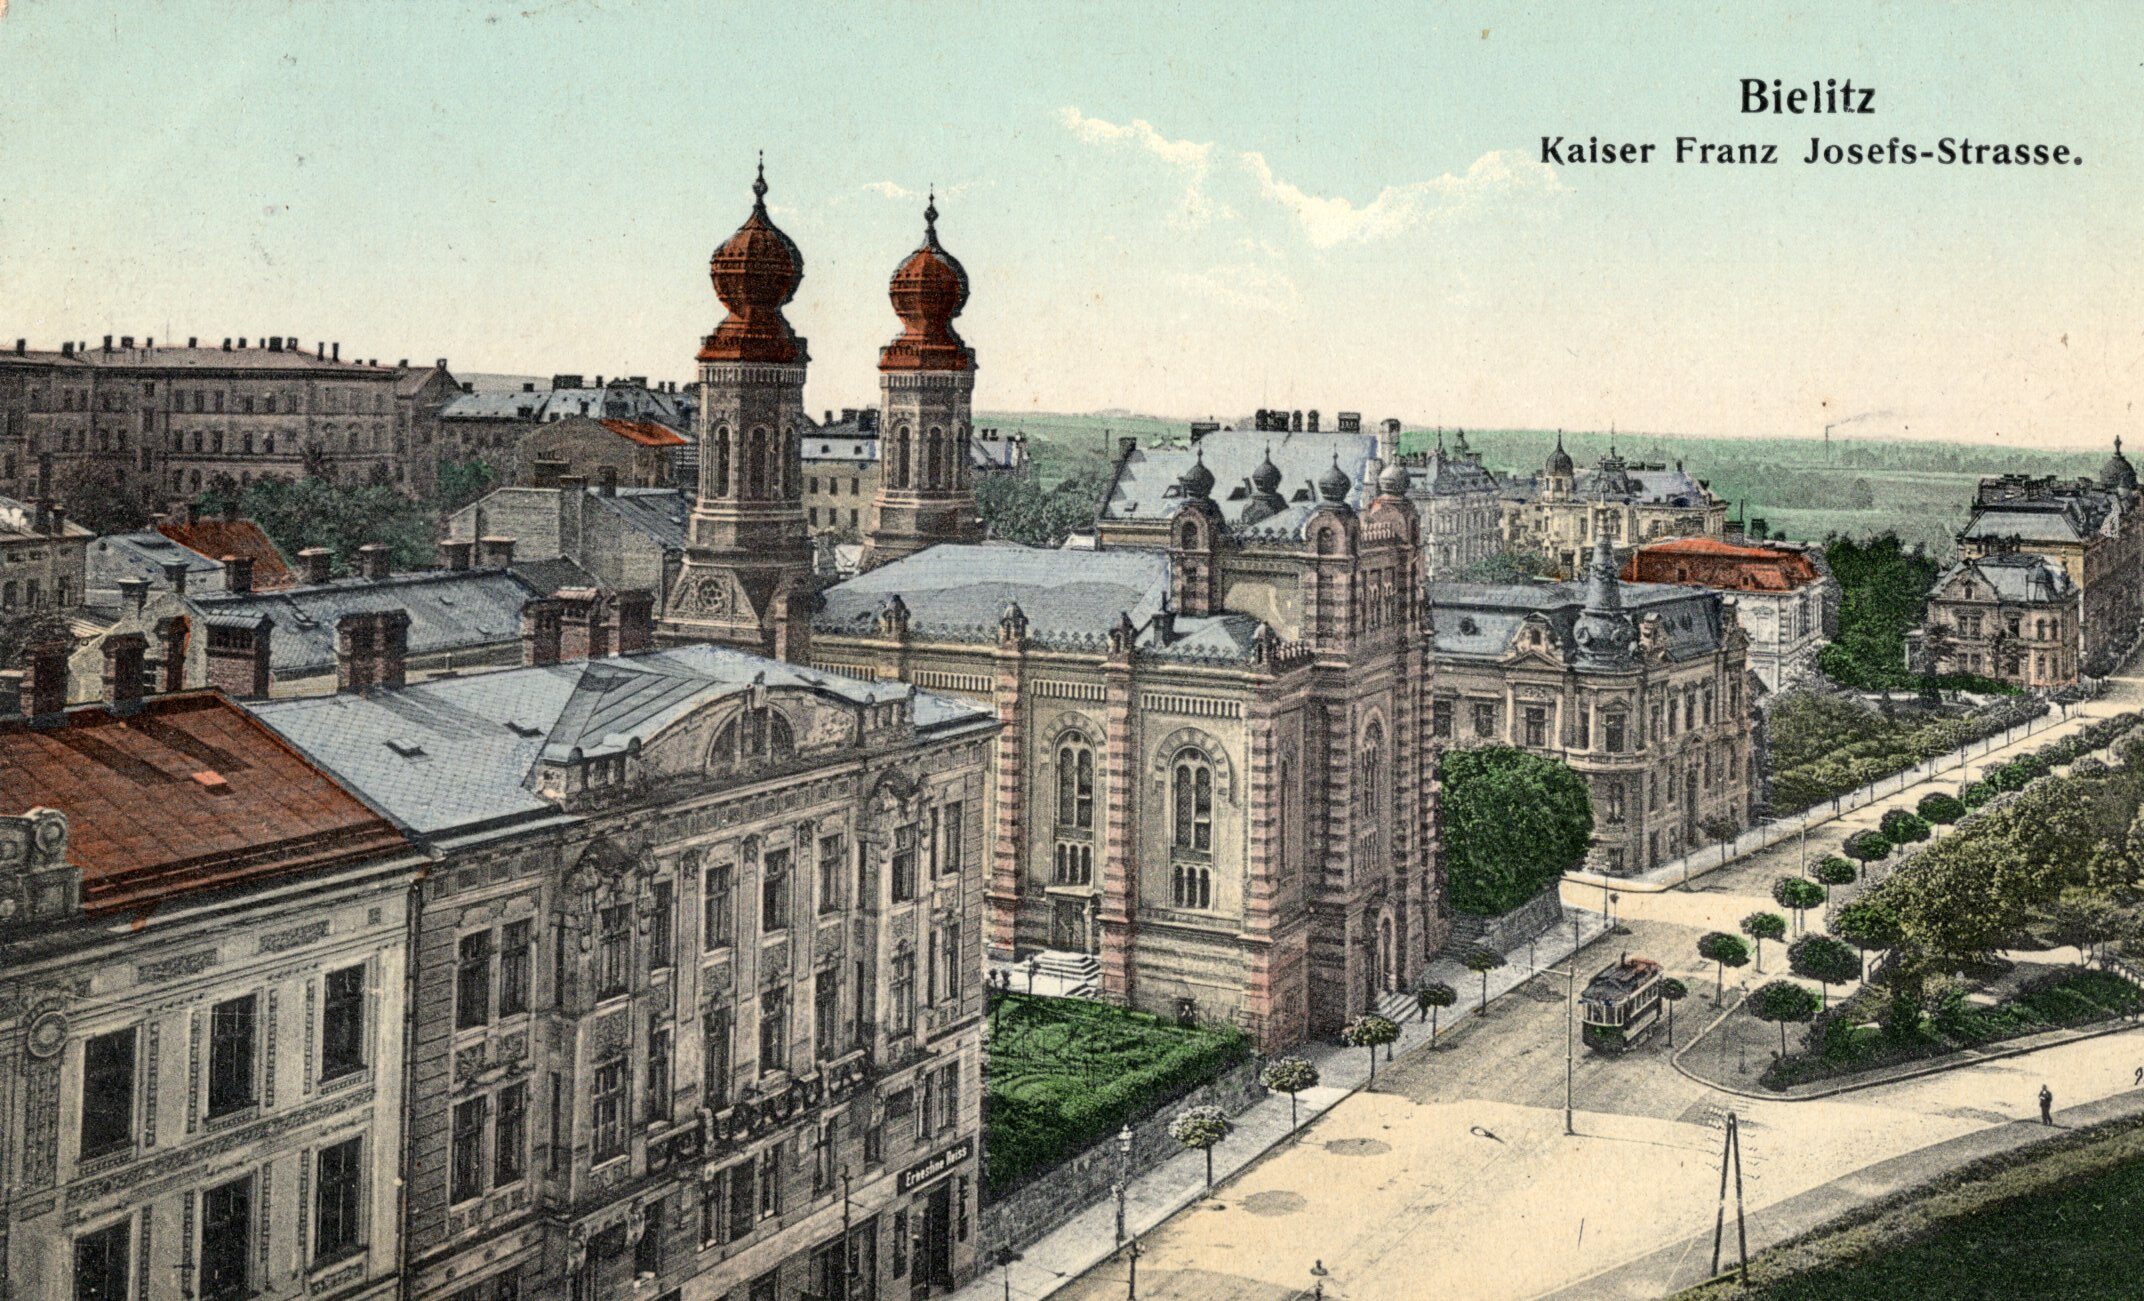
{"points": [[1397, 1007], [1066, 975]]}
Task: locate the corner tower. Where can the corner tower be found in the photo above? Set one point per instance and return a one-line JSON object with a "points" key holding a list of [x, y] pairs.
{"points": [[746, 578], [926, 489]]}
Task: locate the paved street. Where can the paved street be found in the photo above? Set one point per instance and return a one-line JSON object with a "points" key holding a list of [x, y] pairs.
{"points": [[1453, 1176]]}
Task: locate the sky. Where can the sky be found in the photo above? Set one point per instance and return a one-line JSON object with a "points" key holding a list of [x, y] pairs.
{"points": [[1183, 210]]}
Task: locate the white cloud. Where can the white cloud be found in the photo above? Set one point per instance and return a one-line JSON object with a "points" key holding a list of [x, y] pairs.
{"points": [[1194, 158], [890, 190], [1330, 220]]}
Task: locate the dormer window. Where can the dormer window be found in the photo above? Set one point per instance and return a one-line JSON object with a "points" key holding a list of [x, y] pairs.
{"points": [[757, 735]]}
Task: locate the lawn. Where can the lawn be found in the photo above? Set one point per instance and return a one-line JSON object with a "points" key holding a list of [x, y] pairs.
{"points": [[2075, 996], [2048, 1222], [1065, 1073]]}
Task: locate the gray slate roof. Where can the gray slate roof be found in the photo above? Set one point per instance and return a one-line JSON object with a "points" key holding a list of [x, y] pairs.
{"points": [[1481, 620], [1146, 486], [459, 753], [448, 610], [1071, 599], [2053, 521], [2019, 577], [657, 513]]}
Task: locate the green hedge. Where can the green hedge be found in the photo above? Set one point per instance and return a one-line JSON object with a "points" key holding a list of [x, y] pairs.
{"points": [[1067, 1073], [1827, 745]]}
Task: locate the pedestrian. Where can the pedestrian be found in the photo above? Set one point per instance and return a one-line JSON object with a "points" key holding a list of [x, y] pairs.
{"points": [[2047, 1106]]}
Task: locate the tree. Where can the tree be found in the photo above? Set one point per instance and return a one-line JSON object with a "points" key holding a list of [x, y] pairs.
{"points": [[1289, 1075], [460, 482], [1198, 1129], [1867, 923], [1783, 1001], [1509, 567], [1723, 950], [23, 628], [1722, 829], [1482, 960], [1672, 991], [1868, 846], [317, 512], [1837, 871], [1903, 828], [1370, 1031], [1430, 998], [1976, 794], [2087, 918], [1797, 896], [98, 498], [1762, 926], [1824, 960], [1941, 809], [1018, 508], [1512, 824]]}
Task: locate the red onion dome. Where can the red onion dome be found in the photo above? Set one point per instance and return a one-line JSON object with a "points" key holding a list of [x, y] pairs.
{"points": [[756, 272], [928, 291]]}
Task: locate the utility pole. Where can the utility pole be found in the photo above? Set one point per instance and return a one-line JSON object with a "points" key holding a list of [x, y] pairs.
{"points": [[1731, 1154], [848, 1260], [1570, 1035]]}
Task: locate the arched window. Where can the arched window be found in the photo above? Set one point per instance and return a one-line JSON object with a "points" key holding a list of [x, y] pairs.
{"points": [[1075, 784], [900, 457], [722, 461], [934, 449], [756, 734], [1372, 775], [1193, 801], [1191, 886]]}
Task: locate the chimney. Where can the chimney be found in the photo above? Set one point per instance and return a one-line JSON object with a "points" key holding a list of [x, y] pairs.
{"points": [[44, 683], [123, 652], [632, 621], [547, 472], [237, 656], [238, 575], [10, 693], [320, 347], [21, 346], [67, 349], [528, 386], [276, 344], [391, 640], [193, 340], [584, 636], [607, 476], [372, 562], [573, 485], [175, 576], [540, 632], [336, 353], [457, 552], [107, 343], [356, 652], [1126, 445], [494, 552], [134, 593], [442, 363], [173, 634], [241, 343], [56, 520], [317, 564]]}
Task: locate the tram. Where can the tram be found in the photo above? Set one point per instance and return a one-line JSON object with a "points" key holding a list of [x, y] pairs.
{"points": [[1620, 1006]]}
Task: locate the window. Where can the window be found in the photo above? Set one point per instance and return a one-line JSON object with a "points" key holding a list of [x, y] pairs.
{"points": [[510, 1135], [226, 1228], [103, 1263], [951, 832], [1074, 863], [904, 863], [108, 1093], [467, 1157], [1440, 718], [770, 1180], [342, 1023], [614, 950], [609, 1097], [774, 890], [658, 1067], [1075, 786], [230, 1056], [515, 969], [744, 1200], [1583, 737], [1536, 724], [1193, 801], [948, 1098], [715, 1056], [901, 1002], [1484, 718], [945, 964], [1191, 885], [826, 1014], [715, 902], [1612, 730], [774, 1030], [472, 981], [662, 924], [832, 852], [337, 1194]]}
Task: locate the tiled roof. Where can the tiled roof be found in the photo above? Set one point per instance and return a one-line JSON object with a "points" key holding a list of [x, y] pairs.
{"points": [[456, 753], [644, 432], [550, 577], [217, 538], [448, 610], [190, 793], [18, 519], [1710, 562]]}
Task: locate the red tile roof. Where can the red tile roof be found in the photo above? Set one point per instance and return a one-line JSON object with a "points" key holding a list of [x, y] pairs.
{"points": [[1708, 562], [217, 538], [190, 793], [645, 432]]}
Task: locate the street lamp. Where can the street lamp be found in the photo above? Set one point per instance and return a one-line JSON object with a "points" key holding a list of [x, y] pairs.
{"points": [[1570, 1032], [1131, 1288], [1006, 1256], [1124, 1176], [1318, 1275]]}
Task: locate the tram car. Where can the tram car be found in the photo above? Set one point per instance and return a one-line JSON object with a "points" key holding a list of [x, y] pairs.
{"points": [[1620, 1006]]}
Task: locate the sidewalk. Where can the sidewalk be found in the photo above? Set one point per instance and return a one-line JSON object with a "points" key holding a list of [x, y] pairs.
{"points": [[1089, 1238]]}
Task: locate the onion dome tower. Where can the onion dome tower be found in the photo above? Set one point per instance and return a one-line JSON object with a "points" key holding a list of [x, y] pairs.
{"points": [[1604, 631], [926, 491], [1561, 473], [1334, 485], [2118, 475], [746, 577]]}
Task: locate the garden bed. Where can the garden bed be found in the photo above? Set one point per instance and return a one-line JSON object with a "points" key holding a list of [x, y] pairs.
{"points": [[1845, 1045], [1066, 1073]]}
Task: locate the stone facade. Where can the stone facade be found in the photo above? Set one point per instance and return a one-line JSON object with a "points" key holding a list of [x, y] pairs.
{"points": [[1460, 501], [1784, 598], [1561, 511], [1642, 689], [43, 557], [698, 984], [2011, 616], [627, 539]]}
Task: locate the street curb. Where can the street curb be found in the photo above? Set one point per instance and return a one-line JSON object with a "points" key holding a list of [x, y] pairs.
{"points": [[1949, 1062]]}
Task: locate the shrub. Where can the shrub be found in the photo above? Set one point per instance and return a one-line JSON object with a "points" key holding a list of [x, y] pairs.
{"points": [[1837, 871], [1868, 847], [1977, 794], [1370, 1031], [1940, 809], [1900, 1014], [2090, 768], [1903, 828], [1198, 1129]]}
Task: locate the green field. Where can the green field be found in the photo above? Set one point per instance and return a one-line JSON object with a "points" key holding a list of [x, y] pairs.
{"points": [[1801, 487]]}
